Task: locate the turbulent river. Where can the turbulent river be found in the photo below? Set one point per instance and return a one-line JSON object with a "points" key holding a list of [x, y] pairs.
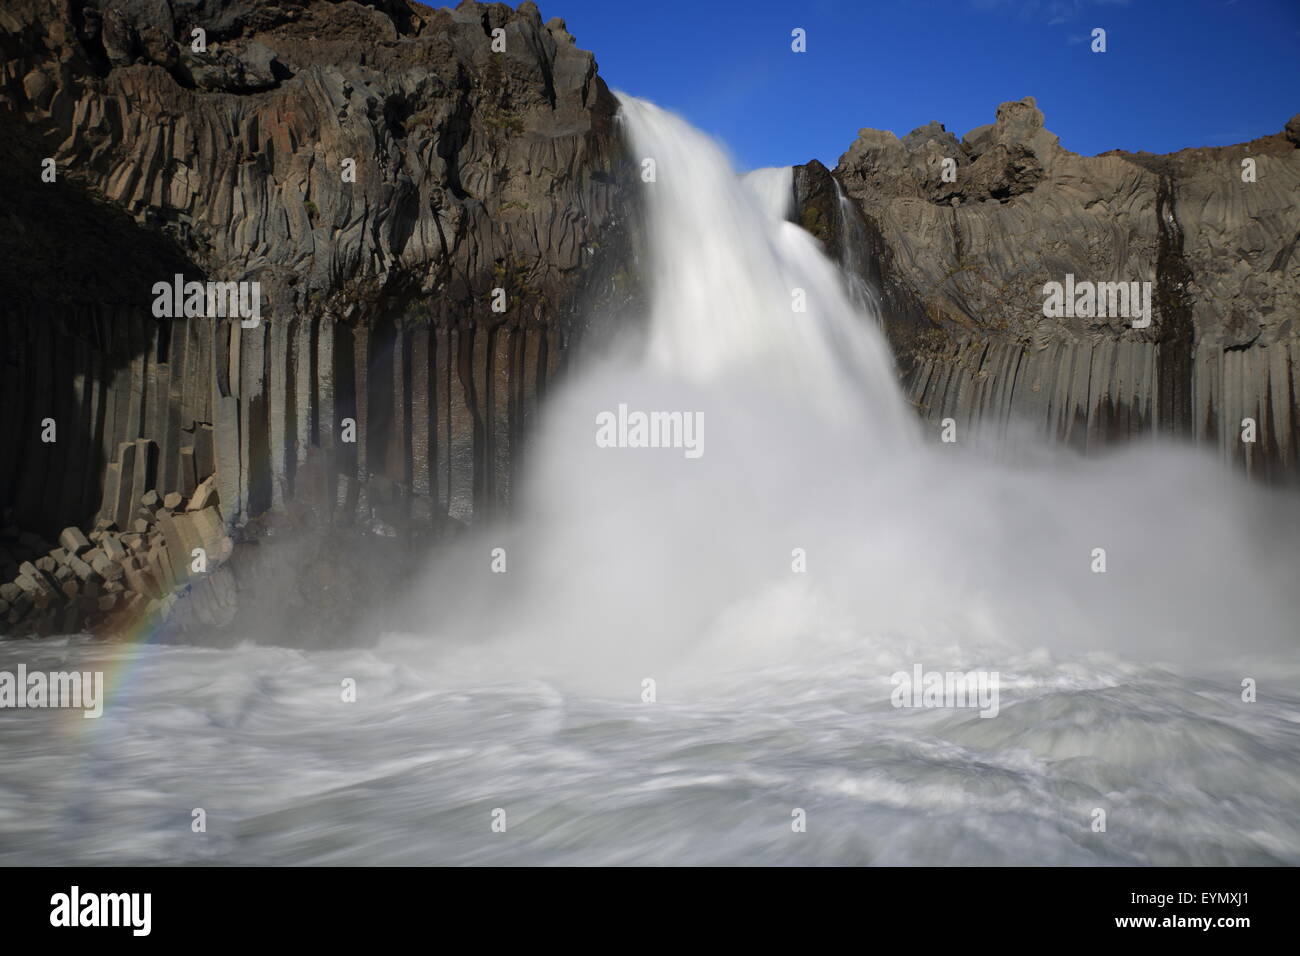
{"points": [[692, 658]]}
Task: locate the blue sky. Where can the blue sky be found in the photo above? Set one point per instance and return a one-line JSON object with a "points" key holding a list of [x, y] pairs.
{"points": [[1176, 73]]}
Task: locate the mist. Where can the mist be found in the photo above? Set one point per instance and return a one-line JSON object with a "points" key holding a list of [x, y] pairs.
{"points": [[824, 528]]}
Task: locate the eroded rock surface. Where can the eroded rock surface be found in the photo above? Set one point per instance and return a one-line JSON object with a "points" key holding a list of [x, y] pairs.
{"points": [[961, 266], [232, 160]]}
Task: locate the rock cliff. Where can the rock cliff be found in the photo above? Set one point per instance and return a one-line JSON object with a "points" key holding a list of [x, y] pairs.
{"points": [[430, 202], [961, 262]]}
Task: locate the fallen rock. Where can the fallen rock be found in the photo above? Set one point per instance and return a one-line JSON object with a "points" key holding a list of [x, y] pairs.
{"points": [[81, 569], [205, 495], [109, 570], [113, 548], [74, 541]]}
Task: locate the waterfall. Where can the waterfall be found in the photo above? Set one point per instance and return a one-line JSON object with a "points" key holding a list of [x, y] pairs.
{"points": [[659, 656], [774, 187], [657, 562], [736, 288], [853, 240]]}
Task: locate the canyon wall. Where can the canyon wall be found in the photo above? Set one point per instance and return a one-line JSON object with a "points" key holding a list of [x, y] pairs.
{"points": [[380, 171], [961, 265]]}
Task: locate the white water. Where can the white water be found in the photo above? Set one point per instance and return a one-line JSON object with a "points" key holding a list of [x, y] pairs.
{"points": [[1120, 690]]}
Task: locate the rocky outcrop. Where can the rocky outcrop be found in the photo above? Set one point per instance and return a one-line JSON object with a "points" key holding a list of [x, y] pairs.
{"points": [[961, 262], [430, 202], [172, 557]]}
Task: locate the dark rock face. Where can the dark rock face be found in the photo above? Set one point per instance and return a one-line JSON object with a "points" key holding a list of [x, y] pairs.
{"points": [[476, 170], [961, 267]]}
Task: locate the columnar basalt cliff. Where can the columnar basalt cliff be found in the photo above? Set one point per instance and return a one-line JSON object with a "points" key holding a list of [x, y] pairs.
{"points": [[380, 171], [961, 263]]}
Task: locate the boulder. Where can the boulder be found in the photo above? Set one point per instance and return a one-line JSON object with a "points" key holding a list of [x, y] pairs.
{"points": [[74, 541]]}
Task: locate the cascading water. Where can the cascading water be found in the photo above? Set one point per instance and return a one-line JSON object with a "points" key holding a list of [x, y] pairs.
{"points": [[735, 287], [853, 240], [762, 593], [774, 187]]}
